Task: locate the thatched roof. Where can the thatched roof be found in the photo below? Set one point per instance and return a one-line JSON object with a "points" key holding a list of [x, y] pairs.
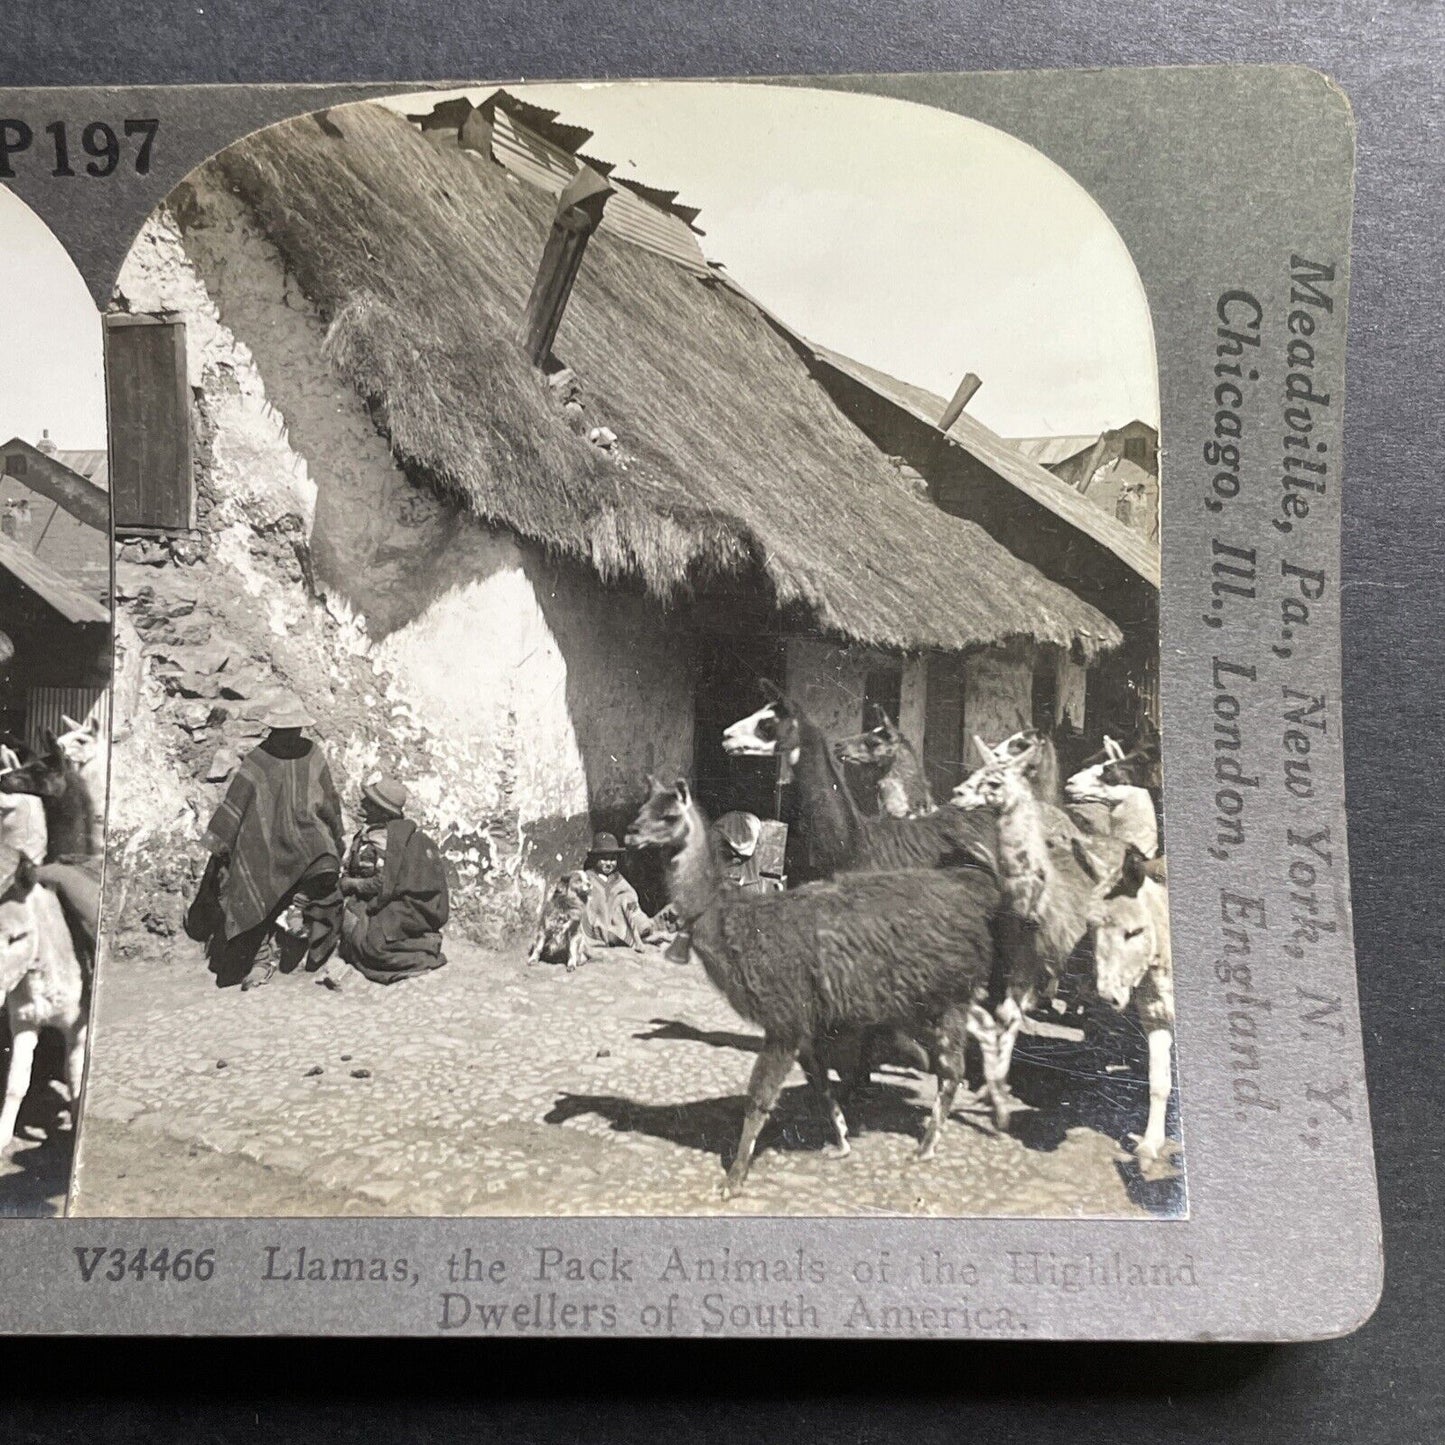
{"points": [[1035, 485], [421, 256]]}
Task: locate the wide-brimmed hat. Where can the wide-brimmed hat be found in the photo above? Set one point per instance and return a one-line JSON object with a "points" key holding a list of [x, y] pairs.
{"points": [[605, 845], [287, 711], [386, 793]]}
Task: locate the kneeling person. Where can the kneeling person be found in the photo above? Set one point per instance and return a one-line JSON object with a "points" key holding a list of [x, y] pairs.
{"points": [[395, 886]]}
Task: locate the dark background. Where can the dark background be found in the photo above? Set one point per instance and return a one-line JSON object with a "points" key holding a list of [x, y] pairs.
{"points": [[1382, 1384]]}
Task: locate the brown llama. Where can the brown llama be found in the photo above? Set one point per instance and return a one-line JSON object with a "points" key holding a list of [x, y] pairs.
{"points": [[831, 834], [1129, 921], [888, 770], [912, 951]]}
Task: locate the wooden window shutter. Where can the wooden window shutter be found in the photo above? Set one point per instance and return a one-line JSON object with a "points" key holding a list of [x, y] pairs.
{"points": [[149, 402]]}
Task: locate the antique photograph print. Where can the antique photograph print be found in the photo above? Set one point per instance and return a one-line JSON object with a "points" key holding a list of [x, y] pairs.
{"points": [[55, 652], [636, 676]]}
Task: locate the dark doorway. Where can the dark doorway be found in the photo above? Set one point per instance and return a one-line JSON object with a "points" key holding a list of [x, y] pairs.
{"points": [[883, 687], [729, 671]]}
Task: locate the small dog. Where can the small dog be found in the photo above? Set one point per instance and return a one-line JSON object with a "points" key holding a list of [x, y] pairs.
{"points": [[559, 932]]}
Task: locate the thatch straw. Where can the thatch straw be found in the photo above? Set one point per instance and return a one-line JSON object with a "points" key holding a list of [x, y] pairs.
{"points": [[421, 256]]}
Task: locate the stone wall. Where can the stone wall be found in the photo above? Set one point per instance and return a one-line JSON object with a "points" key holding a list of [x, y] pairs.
{"points": [[517, 698]]}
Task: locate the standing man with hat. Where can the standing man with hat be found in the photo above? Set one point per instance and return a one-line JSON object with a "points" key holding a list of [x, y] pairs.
{"points": [[613, 917], [275, 845], [394, 883]]}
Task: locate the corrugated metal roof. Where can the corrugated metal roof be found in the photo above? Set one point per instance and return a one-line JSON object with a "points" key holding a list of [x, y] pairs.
{"points": [[91, 464], [542, 122], [1004, 460], [531, 143], [1050, 451], [42, 579], [635, 213]]}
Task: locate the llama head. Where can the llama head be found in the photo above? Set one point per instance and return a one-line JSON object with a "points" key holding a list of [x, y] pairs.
{"points": [[43, 774], [773, 731], [665, 820], [1103, 781], [876, 747], [1124, 921], [81, 741], [19, 926], [1116, 767], [1006, 777]]}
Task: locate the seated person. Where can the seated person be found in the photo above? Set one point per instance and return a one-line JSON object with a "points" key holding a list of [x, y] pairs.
{"points": [[394, 883], [613, 917]]}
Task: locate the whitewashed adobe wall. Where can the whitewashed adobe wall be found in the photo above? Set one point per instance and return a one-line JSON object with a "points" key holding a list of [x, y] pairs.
{"points": [[545, 694], [998, 692], [828, 681]]}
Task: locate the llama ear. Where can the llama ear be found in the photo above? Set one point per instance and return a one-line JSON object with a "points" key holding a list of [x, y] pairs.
{"points": [[873, 716], [1113, 749], [985, 753], [24, 879], [71, 726], [684, 793], [1086, 860], [1135, 870]]}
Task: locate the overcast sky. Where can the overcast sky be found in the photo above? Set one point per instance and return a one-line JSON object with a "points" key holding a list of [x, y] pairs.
{"points": [[50, 371], [918, 242]]}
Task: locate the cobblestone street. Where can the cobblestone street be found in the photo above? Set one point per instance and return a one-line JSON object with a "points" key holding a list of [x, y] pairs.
{"points": [[488, 1088]]}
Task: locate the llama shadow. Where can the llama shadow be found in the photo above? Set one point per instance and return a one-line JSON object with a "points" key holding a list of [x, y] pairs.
{"points": [[1101, 1085], [711, 1126], [675, 1031]]}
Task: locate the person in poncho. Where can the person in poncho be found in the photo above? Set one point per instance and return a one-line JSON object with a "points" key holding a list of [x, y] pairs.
{"points": [[395, 885], [613, 917], [275, 844]]}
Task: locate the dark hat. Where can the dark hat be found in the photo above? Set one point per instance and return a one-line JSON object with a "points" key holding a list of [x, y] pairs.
{"points": [[605, 845], [386, 793]]}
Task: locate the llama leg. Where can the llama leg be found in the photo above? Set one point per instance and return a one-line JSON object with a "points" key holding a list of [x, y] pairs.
{"points": [[947, 1064], [1010, 1018], [75, 1071], [17, 1084], [766, 1083], [828, 1104], [1161, 1082], [983, 1026], [995, 1041]]}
